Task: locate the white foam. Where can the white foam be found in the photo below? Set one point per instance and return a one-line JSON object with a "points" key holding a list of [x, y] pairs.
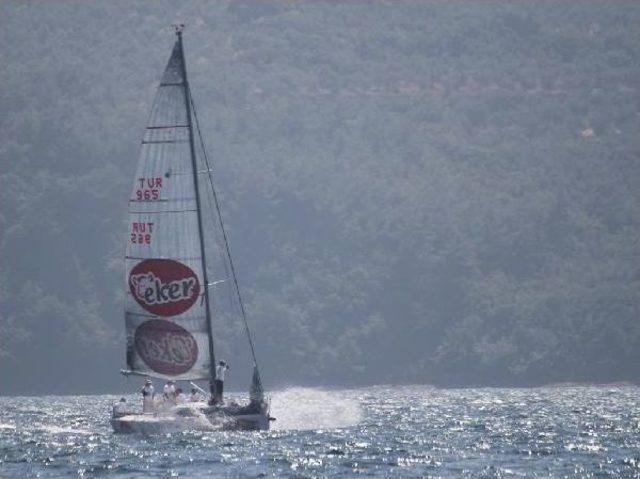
{"points": [[7, 426], [309, 408], [63, 430]]}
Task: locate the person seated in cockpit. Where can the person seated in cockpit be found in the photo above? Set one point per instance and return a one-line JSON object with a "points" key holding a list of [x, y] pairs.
{"points": [[195, 395], [120, 408]]}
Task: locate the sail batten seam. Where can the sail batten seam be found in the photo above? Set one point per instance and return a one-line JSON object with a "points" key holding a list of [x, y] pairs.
{"points": [[160, 212], [164, 200], [153, 142]]}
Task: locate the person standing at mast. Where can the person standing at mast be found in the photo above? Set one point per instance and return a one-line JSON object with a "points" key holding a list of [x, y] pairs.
{"points": [[221, 370]]}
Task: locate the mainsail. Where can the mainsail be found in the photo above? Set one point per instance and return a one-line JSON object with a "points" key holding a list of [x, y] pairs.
{"points": [[167, 305]]}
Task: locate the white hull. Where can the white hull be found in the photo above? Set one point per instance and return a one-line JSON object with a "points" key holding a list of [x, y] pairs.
{"points": [[198, 417]]}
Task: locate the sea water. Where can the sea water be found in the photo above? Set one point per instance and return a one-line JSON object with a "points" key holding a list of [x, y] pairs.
{"points": [[411, 431]]}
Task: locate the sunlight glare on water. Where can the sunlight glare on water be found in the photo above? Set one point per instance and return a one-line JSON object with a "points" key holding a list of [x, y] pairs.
{"points": [[409, 431]]}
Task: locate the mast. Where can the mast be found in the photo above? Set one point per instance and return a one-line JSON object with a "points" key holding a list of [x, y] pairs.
{"points": [[187, 102]]}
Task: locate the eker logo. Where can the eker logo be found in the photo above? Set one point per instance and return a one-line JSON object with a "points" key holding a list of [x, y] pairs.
{"points": [[163, 286]]}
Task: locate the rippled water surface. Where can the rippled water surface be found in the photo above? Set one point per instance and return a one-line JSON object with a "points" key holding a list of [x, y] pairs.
{"points": [[380, 431]]}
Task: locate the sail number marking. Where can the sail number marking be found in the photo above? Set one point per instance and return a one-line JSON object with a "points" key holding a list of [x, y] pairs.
{"points": [[149, 188], [141, 232]]}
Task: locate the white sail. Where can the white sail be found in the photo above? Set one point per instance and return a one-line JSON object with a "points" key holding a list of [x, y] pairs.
{"points": [[165, 311]]}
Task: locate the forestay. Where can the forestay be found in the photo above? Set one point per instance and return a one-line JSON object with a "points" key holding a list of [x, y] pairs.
{"points": [[165, 310]]}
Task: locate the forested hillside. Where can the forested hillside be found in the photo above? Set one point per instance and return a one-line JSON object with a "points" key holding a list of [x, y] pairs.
{"points": [[443, 192]]}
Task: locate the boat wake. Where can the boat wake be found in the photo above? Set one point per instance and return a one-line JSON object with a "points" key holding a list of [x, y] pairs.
{"points": [[309, 408]]}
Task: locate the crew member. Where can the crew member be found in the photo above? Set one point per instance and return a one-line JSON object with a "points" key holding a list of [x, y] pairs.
{"points": [[195, 395], [221, 370], [120, 408], [148, 395], [169, 392]]}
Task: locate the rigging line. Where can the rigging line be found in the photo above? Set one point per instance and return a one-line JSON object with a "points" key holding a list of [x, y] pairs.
{"points": [[222, 252], [233, 303], [224, 234], [220, 248]]}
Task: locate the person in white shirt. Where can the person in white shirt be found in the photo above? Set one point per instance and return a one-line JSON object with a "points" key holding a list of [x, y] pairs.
{"points": [[120, 408], [169, 392], [148, 394], [221, 370]]}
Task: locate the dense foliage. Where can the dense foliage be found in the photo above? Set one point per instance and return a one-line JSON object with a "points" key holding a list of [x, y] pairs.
{"points": [[442, 192]]}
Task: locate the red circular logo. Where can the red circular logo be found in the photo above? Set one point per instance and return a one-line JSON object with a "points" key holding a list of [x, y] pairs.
{"points": [[163, 286], [166, 347]]}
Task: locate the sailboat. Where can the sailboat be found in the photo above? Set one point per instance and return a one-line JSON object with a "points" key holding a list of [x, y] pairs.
{"points": [[168, 304]]}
